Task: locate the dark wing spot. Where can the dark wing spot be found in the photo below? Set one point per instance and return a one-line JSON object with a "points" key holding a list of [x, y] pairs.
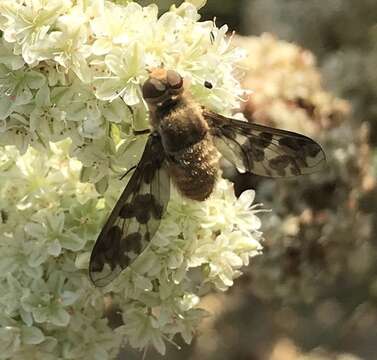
{"points": [[113, 250], [149, 172], [143, 205], [127, 211], [280, 163], [228, 132], [97, 264], [158, 210], [142, 216], [148, 200], [290, 142], [113, 236], [264, 139], [304, 145], [312, 149], [124, 260], [132, 242], [145, 201], [252, 152], [257, 154]]}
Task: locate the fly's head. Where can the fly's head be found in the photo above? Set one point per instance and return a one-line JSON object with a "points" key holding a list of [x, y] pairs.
{"points": [[162, 89]]}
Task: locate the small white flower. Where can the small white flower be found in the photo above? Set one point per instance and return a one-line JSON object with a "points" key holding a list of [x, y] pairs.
{"points": [[68, 46], [125, 67], [116, 28], [142, 329], [28, 23]]}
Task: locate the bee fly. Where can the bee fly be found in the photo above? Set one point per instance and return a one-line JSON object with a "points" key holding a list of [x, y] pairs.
{"points": [[185, 145]]}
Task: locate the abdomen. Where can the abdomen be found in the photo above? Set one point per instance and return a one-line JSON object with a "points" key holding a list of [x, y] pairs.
{"points": [[194, 169]]}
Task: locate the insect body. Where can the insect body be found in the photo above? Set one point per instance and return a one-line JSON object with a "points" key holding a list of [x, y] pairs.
{"points": [[185, 145]]}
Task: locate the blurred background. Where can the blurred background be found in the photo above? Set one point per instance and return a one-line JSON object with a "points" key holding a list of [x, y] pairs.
{"points": [[312, 295]]}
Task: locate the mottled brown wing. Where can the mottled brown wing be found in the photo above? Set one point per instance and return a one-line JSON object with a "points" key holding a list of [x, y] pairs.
{"points": [[262, 150], [135, 217]]}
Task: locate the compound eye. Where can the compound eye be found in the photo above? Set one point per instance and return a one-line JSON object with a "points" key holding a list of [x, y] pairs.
{"points": [[175, 80], [153, 88]]}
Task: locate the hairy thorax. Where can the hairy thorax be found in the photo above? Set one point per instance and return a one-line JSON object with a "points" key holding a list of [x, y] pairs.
{"points": [[193, 159]]}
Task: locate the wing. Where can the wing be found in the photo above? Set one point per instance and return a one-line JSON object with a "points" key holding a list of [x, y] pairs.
{"points": [[262, 150], [135, 217]]}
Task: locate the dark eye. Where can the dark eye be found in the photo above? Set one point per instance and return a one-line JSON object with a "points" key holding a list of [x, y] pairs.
{"points": [[175, 80], [153, 88]]}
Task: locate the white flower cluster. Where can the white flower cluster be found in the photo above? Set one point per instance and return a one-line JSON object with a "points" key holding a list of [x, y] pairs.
{"points": [[70, 75], [48, 223], [48, 218], [74, 68]]}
